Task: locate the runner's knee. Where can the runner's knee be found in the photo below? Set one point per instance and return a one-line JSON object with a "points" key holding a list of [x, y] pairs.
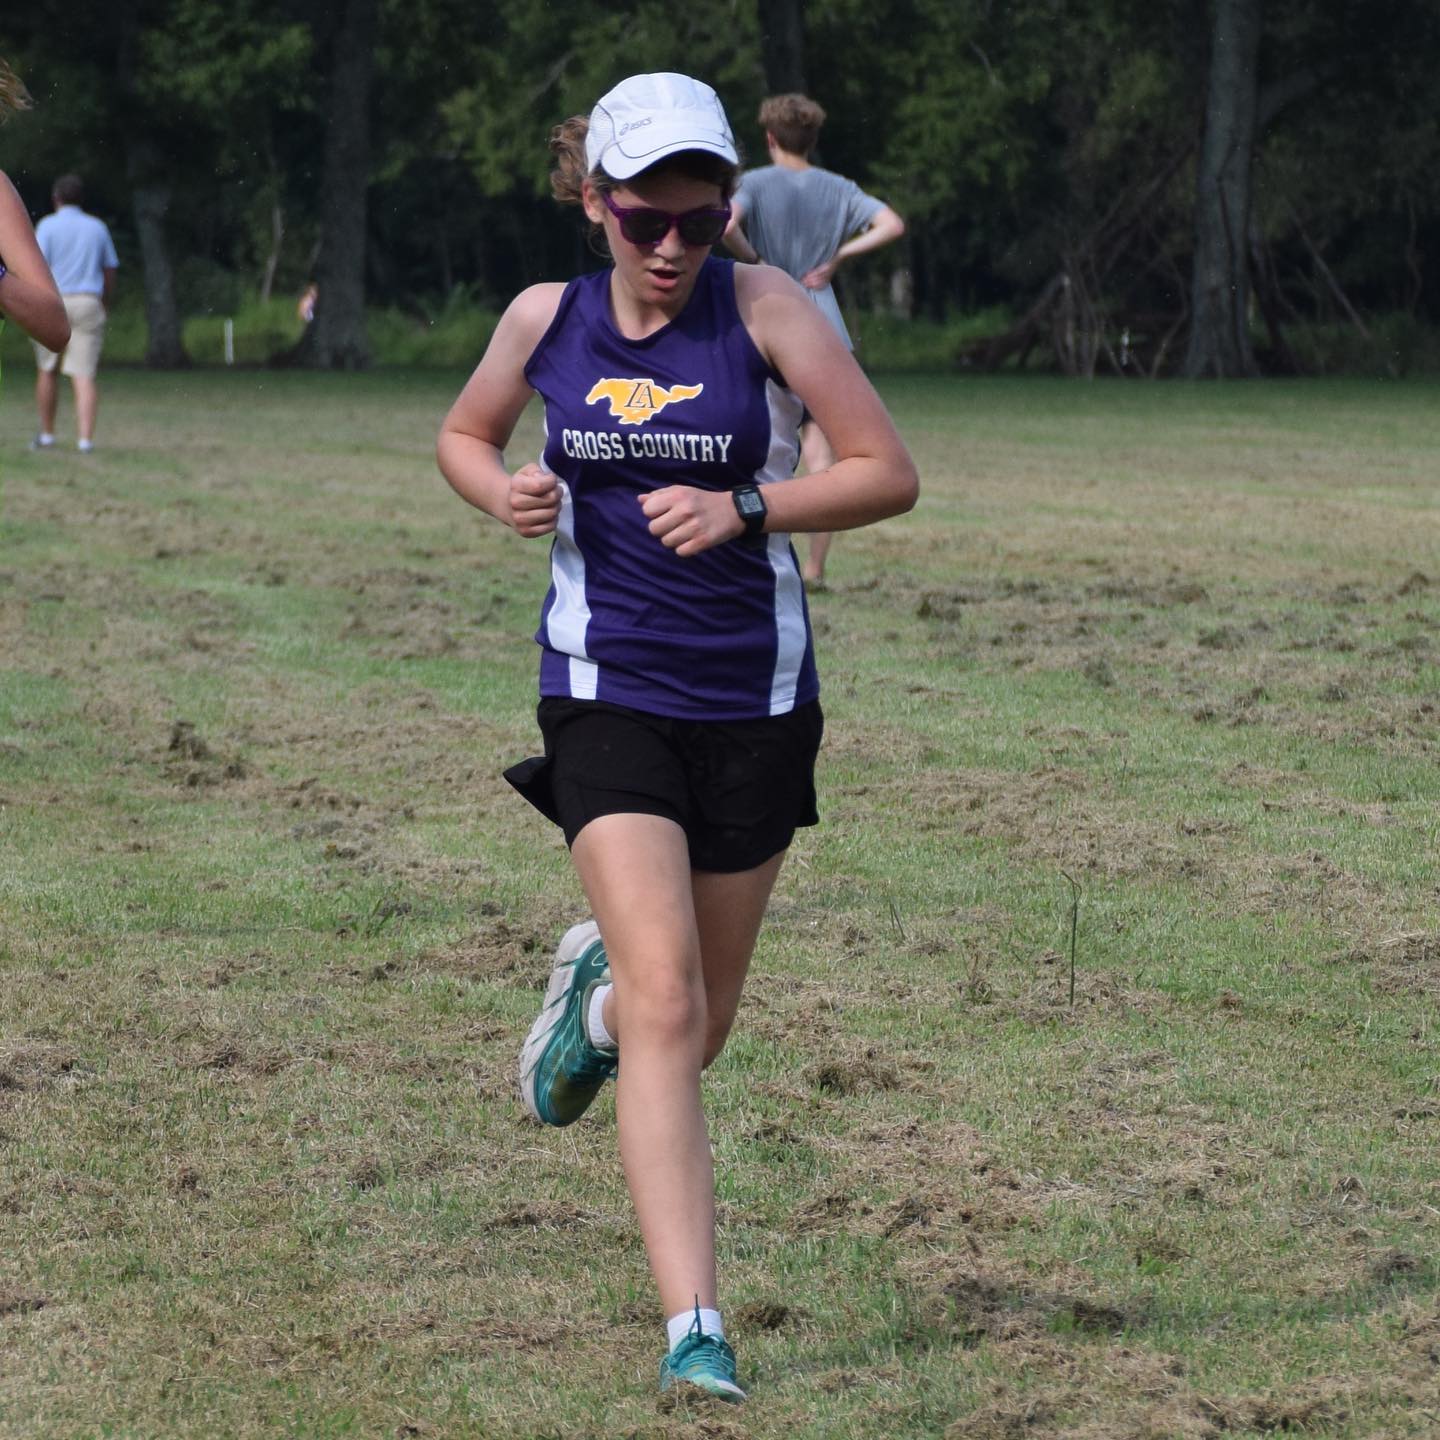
{"points": [[666, 1010]]}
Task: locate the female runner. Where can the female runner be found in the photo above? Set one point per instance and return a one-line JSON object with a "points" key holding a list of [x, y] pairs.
{"points": [[678, 690]]}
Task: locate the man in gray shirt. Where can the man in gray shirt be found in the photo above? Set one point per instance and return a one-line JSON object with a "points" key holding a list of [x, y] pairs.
{"points": [[807, 221]]}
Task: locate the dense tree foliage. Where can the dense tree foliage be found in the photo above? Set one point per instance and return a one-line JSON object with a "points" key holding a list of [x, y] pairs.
{"points": [[1052, 156]]}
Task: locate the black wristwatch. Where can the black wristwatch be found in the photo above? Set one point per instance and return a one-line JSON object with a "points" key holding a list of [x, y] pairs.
{"points": [[750, 507]]}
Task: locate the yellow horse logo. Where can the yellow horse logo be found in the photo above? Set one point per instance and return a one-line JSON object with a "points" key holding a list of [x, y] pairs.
{"points": [[633, 402]]}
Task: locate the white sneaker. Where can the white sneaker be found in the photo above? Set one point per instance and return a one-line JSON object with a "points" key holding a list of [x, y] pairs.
{"points": [[43, 442]]}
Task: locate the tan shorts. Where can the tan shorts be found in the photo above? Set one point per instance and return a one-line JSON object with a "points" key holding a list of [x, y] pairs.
{"points": [[81, 357]]}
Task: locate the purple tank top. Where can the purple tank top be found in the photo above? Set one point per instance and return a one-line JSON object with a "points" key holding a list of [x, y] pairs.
{"points": [[724, 635]]}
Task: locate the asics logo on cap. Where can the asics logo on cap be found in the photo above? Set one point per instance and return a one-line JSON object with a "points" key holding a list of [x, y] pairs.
{"points": [[677, 112]]}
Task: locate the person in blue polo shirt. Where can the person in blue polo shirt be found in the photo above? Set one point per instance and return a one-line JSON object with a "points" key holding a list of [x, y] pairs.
{"points": [[81, 256]]}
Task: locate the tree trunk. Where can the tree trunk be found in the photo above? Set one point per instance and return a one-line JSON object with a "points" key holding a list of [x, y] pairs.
{"points": [[782, 44], [1220, 287], [164, 344], [272, 260], [336, 340], [147, 170]]}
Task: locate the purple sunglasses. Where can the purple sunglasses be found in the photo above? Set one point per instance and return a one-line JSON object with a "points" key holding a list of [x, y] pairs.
{"points": [[641, 225]]}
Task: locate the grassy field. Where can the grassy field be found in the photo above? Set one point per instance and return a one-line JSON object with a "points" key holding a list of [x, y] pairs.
{"points": [[1158, 660]]}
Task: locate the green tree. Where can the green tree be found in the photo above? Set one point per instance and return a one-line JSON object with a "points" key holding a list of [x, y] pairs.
{"points": [[1362, 229], [96, 47], [173, 110], [1046, 154], [238, 71]]}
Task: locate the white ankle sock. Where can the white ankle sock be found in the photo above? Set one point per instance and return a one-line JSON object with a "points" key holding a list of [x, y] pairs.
{"points": [[85, 446], [677, 1327], [600, 1037]]}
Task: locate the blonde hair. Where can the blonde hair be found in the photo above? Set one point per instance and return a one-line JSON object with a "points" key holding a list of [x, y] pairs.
{"points": [[794, 120], [13, 94]]}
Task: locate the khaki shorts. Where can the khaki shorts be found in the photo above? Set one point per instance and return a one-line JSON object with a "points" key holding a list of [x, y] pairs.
{"points": [[81, 357]]}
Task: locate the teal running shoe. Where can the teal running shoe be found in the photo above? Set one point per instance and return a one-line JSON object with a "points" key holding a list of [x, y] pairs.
{"points": [[704, 1361], [561, 1072]]}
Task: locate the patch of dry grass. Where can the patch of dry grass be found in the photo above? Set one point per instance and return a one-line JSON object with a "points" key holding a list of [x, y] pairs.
{"points": [[272, 927]]}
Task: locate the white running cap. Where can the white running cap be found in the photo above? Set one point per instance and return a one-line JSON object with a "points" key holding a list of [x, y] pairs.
{"points": [[647, 117]]}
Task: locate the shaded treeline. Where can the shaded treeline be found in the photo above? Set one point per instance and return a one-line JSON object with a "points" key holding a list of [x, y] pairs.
{"points": [[1143, 183]]}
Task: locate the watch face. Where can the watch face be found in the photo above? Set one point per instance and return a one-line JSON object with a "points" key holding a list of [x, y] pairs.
{"points": [[750, 503]]}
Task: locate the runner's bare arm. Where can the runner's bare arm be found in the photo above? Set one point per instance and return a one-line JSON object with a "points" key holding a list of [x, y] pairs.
{"points": [[873, 475], [471, 447], [27, 293]]}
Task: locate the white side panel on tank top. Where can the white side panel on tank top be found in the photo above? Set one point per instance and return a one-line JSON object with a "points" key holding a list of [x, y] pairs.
{"points": [[569, 616], [785, 412]]}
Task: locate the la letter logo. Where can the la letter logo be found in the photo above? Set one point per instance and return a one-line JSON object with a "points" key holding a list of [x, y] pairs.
{"points": [[633, 402]]}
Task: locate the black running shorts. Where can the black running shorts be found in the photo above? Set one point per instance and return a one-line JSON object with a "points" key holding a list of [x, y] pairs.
{"points": [[738, 788]]}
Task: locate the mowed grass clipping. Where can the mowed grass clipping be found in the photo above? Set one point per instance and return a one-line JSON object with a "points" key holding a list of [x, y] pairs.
{"points": [[1141, 703]]}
